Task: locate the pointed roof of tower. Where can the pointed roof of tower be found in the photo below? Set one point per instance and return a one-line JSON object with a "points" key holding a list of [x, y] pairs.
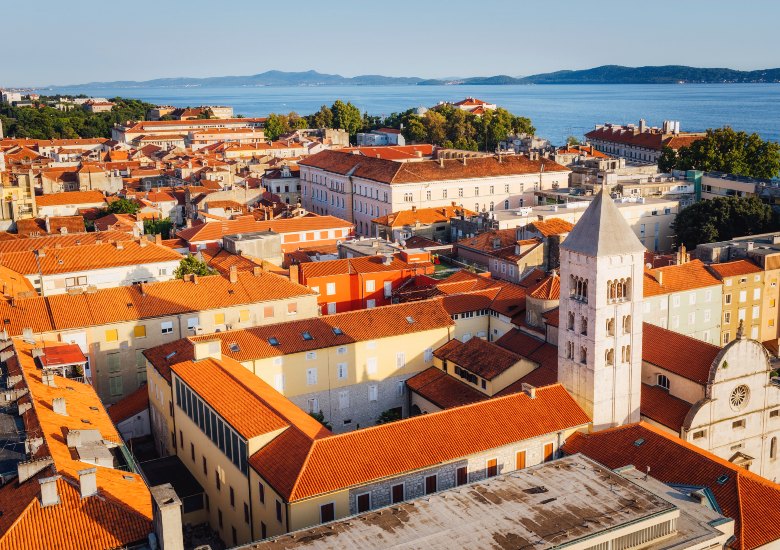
{"points": [[602, 231]]}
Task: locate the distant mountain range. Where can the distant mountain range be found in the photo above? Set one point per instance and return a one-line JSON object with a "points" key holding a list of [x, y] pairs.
{"points": [[607, 74]]}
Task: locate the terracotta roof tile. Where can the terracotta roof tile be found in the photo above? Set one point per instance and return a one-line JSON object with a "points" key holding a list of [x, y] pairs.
{"points": [[683, 355], [130, 405], [443, 390], [388, 171], [662, 407], [741, 494], [552, 226], [478, 356], [214, 231], [362, 456], [732, 269], [547, 289], [678, 278], [52, 241], [70, 197], [422, 215]]}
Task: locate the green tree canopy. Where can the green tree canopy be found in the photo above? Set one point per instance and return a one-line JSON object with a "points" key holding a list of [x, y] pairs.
{"points": [[160, 227], [192, 265], [726, 150], [123, 206], [347, 117], [721, 219]]}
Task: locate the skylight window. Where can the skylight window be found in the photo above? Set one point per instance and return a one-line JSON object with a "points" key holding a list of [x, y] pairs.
{"points": [[273, 340], [337, 331], [307, 336], [410, 320], [234, 347], [639, 442], [722, 479], [170, 355]]}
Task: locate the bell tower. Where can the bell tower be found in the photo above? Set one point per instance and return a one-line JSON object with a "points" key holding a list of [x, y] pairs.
{"points": [[600, 327]]}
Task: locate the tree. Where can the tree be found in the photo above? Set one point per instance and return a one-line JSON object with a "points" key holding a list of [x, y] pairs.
{"points": [[726, 150], [668, 159], [347, 117], [721, 219], [322, 118], [436, 127], [414, 130], [160, 227], [390, 415], [275, 125], [192, 265], [123, 206], [320, 417], [572, 140]]}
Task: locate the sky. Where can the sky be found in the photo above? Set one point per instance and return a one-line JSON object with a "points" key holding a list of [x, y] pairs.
{"points": [[79, 41]]}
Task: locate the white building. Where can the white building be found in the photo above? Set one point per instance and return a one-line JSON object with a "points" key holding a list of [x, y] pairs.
{"points": [[359, 188]]}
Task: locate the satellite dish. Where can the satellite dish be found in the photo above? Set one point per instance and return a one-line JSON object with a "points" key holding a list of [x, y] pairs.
{"points": [[649, 266]]}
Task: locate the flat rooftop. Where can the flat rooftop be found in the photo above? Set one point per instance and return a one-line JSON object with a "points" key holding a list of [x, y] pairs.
{"points": [[555, 504]]}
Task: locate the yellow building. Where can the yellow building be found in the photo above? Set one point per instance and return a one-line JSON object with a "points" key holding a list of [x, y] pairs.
{"points": [[743, 285], [270, 468]]}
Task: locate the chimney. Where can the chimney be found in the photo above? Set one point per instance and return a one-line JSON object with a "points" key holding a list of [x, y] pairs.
{"points": [[194, 279], [142, 288], [464, 160], [58, 406], [295, 273], [119, 245], [441, 162], [189, 222], [37, 352], [414, 208], [48, 380], [207, 348], [660, 278], [233, 274], [387, 260], [49, 496], [158, 238], [529, 390], [98, 241], [257, 270], [88, 482], [166, 511]]}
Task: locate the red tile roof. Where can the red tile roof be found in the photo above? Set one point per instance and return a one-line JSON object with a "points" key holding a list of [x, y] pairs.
{"points": [[443, 390], [649, 140], [547, 289], [363, 264], [53, 241], [67, 354], [404, 218], [552, 226], [741, 494], [130, 405], [683, 355], [359, 457], [735, 268], [678, 278], [478, 356], [214, 231], [660, 406], [70, 198], [388, 171]]}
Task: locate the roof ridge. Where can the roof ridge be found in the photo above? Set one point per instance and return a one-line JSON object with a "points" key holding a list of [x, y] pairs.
{"points": [[305, 462]]}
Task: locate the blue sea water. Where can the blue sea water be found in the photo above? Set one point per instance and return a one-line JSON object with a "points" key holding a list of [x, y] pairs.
{"points": [[557, 111]]}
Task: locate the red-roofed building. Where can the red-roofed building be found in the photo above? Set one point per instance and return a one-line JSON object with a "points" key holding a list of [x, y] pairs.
{"points": [[640, 142]]}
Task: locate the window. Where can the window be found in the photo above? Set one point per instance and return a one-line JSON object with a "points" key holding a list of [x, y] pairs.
{"points": [[341, 371], [708, 295], [292, 308], [430, 484], [233, 533], [311, 377], [344, 399], [727, 299], [371, 365], [739, 397], [192, 451], [774, 414], [743, 295], [219, 318], [263, 527], [313, 404], [428, 355], [460, 191], [773, 448], [663, 381], [192, 323], [243, 315], [114, 362], [549, 452], [461, 476], [520, 460], [363, 503], [278, 511], [492, 467], [112, 335], [726, 317], [261, 492], [115, 385], [397, 493], [246, 513], [232, 497], [400, 360], [675, 301], [373, 392], [166, 327], [219, 518], [327, 512], [700, 434], [726, 337], [139, 331], [268, 312], [330, 289], [756, 293], [205, 466], [737, 424], [310, 355]]}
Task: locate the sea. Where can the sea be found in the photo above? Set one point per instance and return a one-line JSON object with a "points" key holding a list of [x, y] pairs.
{"points": [[557, 111]]}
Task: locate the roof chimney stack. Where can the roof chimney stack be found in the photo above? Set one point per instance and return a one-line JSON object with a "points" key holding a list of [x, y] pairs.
{"points": [[529, 390], [233, 274], [88, 482], [49, 495], [58, 406]]}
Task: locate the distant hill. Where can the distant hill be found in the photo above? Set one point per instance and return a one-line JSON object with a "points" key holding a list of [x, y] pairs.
{"points": [[607, 74]]}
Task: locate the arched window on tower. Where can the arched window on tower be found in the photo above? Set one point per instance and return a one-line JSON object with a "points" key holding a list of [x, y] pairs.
{"points": [[626, 324], [625, 354], [583, 354], [611, 326], [584, 325], [609, 356], [663, 381], [578, 288], [571, 320]]}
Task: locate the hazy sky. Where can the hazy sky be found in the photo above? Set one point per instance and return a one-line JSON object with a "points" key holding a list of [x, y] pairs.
{"points": [[48, 42]]}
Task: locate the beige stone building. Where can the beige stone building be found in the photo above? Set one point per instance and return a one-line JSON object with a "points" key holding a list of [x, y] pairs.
{"points": [[743, 287]]}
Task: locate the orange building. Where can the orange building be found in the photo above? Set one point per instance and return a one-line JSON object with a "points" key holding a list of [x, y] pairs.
{"points": [[365, 282]]}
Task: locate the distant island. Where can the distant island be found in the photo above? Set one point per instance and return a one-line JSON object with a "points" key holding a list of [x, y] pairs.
{"points": [[607, 74]]}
